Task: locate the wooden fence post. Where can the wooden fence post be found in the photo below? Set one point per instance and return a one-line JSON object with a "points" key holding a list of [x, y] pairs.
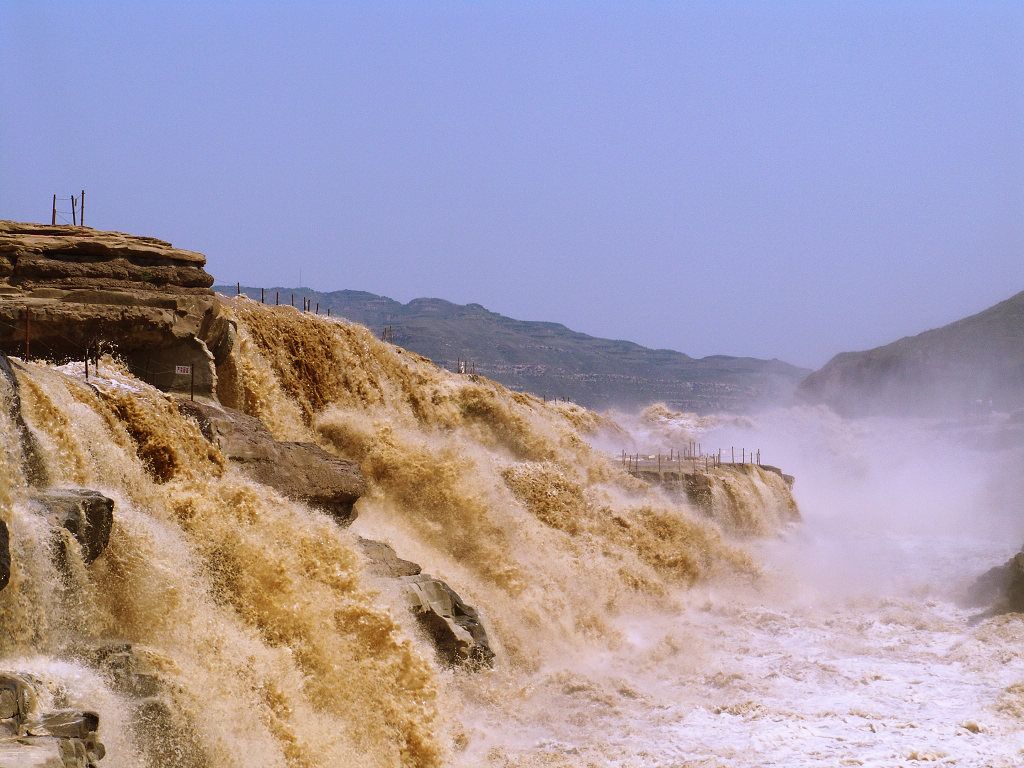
{"points": [[74, 220], [81, 212], [53, 218]]}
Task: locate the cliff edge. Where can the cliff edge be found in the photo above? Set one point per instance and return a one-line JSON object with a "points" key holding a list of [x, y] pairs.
{"points": [[74, 291]]}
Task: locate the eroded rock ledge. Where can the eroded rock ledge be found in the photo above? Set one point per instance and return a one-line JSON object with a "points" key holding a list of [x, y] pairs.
{"points": [[83, 289], [304, 472]]}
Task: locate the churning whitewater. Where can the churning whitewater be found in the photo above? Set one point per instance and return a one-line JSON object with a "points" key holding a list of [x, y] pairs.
{"points": [[630, 627]]}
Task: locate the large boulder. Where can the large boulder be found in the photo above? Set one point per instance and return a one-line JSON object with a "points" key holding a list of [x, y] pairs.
{"points": [[304, 472], [454, 628], [84, 513], [31, 737], [79, 289]]}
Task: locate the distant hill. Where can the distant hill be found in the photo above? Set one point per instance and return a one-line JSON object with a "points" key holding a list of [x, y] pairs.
{"points": [[553, 361], [974, 364]]}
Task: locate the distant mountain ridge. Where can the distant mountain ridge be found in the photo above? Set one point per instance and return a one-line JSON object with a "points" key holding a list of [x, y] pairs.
{"points": [[976, 363], [553, 361]]}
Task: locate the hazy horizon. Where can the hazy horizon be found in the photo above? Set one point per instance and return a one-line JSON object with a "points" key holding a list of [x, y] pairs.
{"points": [[787, 181]]}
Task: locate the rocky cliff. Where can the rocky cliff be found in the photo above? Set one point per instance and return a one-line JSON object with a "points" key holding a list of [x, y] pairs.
{"points": [[75, 291], [973, 364]]}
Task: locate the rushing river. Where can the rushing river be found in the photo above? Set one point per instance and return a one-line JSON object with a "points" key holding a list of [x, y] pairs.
{"points": [[630, 629], [853, 647]]}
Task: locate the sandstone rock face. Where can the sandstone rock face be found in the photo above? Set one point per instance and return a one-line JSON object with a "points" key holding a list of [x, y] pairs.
{"points": [[43, 256], [31, 737], [86, 514], [454, 627], [83, 289], [301, 471]]}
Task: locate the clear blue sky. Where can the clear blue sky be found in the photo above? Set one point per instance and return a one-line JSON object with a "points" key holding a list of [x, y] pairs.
{"points": [[782, 180]]}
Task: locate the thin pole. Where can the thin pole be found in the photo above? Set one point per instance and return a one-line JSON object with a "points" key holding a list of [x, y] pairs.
{"points": [[239, 288], [53, 218], [293, 299], [318, 307], [74, 220], [277, 298], [81, 213], [328, 311], [262, 300]]}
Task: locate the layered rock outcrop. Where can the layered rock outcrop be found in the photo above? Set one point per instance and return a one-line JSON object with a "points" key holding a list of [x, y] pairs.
{"points": [[73, 291], [304, 472]]}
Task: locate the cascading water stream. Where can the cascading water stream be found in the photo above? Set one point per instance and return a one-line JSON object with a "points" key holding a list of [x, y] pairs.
{"points": [[630, 627]]}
